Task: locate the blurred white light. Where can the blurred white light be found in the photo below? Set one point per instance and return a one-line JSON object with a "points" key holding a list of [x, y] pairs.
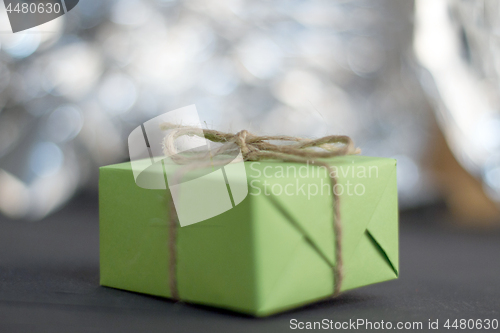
{"points": [[312, 43], [487, 132], [435, 43], [316, 13], [72, 70], [46, 159], [64, 123], [117, 93], [130, 12], [118, 46], [21, 45], [18, 45], [171, 61], [464, 101], [218, 78], [260, 56], [300, 89]]}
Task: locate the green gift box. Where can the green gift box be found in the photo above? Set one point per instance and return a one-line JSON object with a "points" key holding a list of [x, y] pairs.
{"points": [[272, 252]]}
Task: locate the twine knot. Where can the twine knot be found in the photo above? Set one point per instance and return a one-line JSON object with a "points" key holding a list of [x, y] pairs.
{"points": [[255, 148]]}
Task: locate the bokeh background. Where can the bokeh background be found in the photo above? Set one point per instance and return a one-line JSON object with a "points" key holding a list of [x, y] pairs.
{"points": [[417, 81]]}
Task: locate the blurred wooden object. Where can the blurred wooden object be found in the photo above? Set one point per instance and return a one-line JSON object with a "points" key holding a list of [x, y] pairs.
{"points": [[463, 193]]}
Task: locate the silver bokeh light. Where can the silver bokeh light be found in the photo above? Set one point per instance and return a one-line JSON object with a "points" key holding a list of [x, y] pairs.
{"points": [[70, 95]]}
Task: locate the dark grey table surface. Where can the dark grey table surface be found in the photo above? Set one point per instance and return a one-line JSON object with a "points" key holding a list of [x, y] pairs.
{"points": [[49, 282]]}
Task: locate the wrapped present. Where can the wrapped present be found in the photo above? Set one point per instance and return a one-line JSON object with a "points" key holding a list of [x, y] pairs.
{"points": [[274, 247]]}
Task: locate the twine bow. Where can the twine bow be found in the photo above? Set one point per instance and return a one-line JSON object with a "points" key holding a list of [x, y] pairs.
{"points": [[257, 148]]}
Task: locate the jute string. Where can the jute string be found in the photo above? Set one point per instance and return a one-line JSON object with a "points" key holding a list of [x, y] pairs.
{"points": [[257, 148]]}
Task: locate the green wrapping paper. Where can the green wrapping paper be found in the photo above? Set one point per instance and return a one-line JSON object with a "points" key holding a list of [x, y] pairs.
{"points": [[272, 252]]}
